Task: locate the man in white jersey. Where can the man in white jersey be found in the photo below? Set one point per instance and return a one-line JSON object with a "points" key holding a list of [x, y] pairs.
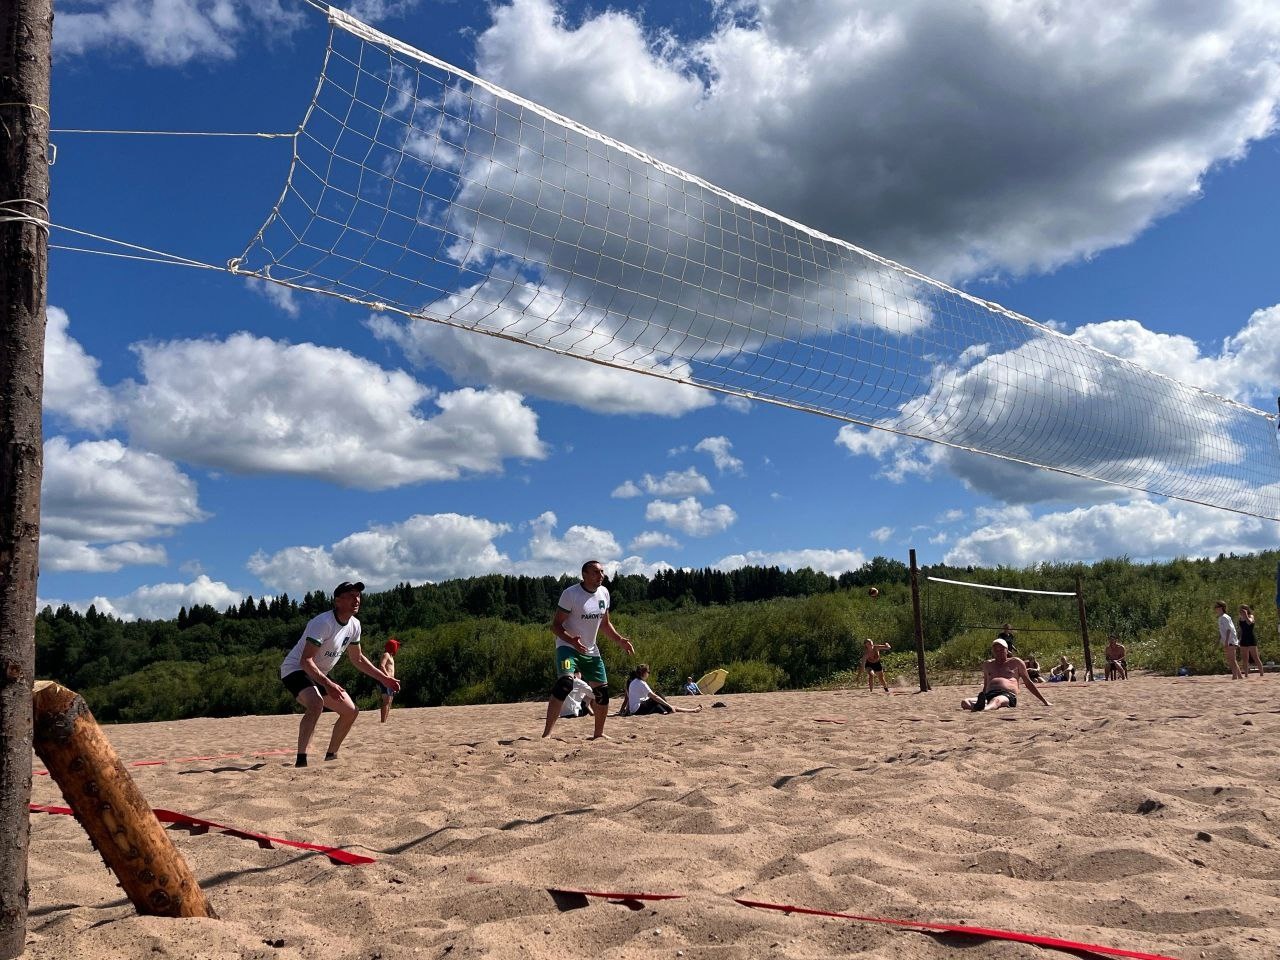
{"points": [[583, 610], [305, 671]]}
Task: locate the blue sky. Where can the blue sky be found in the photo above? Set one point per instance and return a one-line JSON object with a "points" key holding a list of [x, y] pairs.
{"points": [[1109, 170]]}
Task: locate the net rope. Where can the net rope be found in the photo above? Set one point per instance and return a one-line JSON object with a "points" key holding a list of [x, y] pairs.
{"points": [[420, 189]]}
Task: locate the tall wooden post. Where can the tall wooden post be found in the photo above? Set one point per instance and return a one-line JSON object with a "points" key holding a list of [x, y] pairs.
{"points": [[1084, 627], [26, 32], [919, 623]]}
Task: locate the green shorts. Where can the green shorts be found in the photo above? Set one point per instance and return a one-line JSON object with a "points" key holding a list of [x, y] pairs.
{"points": [[569, 661]]}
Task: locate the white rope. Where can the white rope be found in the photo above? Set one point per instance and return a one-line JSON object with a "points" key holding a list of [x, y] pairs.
{"points": [[174, 261], [987, 586], [9, 213], [173, 133]]}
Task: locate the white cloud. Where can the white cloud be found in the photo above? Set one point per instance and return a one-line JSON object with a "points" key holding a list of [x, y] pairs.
{"points": [[1069, 128], [283, 298], [425, 547], [635, 565], [833, 562], [551, 555], [736, 404], [718, 448], [674, 483], [690, 517], [881, 534], [254, 405], [1144, 529], [654, 538], [477, 359], [626, 491], [171, 33], [99, 498], [71, 385], [160, 601]]}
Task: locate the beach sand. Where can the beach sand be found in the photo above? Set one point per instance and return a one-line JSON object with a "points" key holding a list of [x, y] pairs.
{"points": [[1028, 820]]}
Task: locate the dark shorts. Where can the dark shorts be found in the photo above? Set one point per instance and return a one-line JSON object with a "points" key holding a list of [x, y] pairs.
{"points": [[298, 681], [980, 703], [386, 691], [875, 666], [569, 661], [1252, 642]]}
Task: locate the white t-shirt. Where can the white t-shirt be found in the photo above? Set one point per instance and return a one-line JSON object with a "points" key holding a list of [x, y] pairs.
{"points": [[586, 613], [573, 702], [330, 636], [637, 693], [1227, 631]]}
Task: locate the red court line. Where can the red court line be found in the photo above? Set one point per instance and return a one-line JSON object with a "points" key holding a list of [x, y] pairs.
{"points": [[967, 931], [988, 932], [341, 857]]}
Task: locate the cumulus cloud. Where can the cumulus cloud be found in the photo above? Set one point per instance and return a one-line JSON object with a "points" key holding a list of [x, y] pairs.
{"points": [[548, 554], [170, 33], [674, 483], [100, 498], [253, 405], [718, 448], [283, 298], [1015, 537], [72, 389], [690, 517], [472, 358], [425, 547], [1062, 137], [881, 534], [160, 601], [833, 562], [654, 538]]}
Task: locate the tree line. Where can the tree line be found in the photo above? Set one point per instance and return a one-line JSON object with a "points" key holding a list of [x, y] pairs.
{"points": [[485, 639]]}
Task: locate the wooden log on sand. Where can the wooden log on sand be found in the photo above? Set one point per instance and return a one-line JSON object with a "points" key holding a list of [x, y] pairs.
{"points": [[110, 807]]}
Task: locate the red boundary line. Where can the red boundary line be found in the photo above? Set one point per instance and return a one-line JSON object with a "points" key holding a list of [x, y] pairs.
{"points": [[158, 763], [340, 857], [986, 932]]}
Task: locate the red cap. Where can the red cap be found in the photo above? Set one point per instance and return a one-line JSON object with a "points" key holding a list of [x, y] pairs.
{"points": [[393, 646]]}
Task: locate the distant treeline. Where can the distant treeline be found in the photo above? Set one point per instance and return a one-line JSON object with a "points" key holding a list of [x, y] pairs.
{"points": [[485, 639]]}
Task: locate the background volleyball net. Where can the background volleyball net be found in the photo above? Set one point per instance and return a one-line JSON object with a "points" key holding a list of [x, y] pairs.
{"points": [[419, 189]]}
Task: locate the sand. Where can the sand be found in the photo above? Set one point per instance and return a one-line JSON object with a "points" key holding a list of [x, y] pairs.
{"points": [[1029, 820]]}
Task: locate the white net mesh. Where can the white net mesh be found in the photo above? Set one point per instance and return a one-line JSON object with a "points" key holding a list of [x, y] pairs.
{"points": [[421, 189]]}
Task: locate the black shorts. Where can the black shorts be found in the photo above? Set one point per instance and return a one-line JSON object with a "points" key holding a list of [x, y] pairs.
{"points": [[980, 703], [875, 666], [298, 681], [1249, 643], [648, 707]]}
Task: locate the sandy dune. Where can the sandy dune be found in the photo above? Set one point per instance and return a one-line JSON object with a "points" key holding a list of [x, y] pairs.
{"points": [[1026, 820]]}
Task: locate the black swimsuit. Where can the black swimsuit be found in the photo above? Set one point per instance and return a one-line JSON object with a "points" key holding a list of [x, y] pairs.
{"points": [[1247, 639]]}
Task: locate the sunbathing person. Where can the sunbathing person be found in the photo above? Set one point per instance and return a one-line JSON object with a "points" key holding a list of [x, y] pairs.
{"points": [[1000, 676]]}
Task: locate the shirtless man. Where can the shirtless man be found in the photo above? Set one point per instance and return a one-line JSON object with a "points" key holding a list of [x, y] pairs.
{"points": [[871, 662], [1000, 676], [1116, 668]]}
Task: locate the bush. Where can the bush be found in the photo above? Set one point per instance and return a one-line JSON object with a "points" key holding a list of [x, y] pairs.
{"points": [[753, 676]]}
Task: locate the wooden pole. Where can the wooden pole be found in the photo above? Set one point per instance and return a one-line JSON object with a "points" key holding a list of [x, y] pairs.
{"points": [[1084, 628], [110, 807], [26, 31], [919, 624]]}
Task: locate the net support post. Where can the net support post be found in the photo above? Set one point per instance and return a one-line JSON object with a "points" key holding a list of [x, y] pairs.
{"points": [[918, 623], [1084, 628], [111, 808]]}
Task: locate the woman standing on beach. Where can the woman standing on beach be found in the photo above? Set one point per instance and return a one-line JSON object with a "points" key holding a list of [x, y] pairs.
{"points": [[1249, 641]]}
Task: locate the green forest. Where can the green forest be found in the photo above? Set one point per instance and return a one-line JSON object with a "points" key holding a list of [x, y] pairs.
{"points": [[486, 639]]}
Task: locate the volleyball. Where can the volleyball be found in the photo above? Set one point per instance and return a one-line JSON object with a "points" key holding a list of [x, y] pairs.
{"points": [[873, 592]]}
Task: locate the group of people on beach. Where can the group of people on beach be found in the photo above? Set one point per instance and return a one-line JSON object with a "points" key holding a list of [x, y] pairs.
{"points": [[1241, 645]]}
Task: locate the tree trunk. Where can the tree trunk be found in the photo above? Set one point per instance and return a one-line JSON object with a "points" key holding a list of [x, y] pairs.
{"points": [[111, 808], [26, 30]]}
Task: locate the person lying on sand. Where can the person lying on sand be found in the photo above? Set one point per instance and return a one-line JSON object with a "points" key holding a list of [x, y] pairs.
{"points": [[1000, 676]]}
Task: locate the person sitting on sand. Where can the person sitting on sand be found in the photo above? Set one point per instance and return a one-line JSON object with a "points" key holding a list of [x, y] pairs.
{"points": [[642, 700], [575, 704], [1062, 671], [1006, 634], [691, 688], [387, 664], [1117, 669], [1033, 667], [871, 662], [1000, 676]]}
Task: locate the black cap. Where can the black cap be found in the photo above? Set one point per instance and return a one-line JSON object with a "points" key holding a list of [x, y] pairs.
{"points": [[346, 586]]}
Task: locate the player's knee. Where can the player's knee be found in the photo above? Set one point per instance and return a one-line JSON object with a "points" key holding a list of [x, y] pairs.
{"points": [[562, 688], [602, 694]]}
